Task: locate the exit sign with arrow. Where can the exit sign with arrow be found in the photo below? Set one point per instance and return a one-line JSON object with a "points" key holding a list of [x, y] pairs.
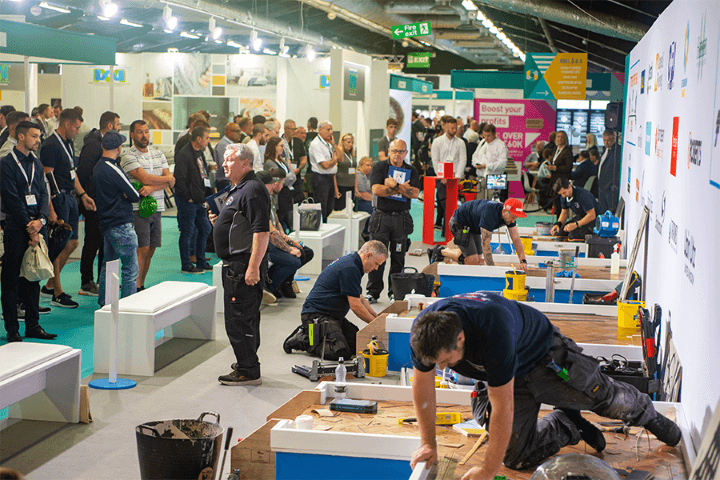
{"points": [[411, 30]]}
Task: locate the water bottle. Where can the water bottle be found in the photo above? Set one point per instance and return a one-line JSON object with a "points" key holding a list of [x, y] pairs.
{"points": [[340, 374], [615, 261]]}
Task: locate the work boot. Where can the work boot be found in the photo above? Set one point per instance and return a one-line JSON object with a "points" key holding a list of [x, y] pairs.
{"points": [[665, 430], [588, 432], [287, 290], [294, 341]]}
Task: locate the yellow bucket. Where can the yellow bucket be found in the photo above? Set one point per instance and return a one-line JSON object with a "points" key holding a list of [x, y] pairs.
{"points": [[513, 295], [377, 363], [515, 281], [628, 314], [527, 245]]}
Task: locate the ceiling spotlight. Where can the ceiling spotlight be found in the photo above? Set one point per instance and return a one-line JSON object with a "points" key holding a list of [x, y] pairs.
{"points": [[170, 21], [127, 22], [405, 44], [282, 44], [310, 53], [257, 44], [189, 35], [110, 9], [53, 7], [36, 10], [215, 31], [332, 15]]}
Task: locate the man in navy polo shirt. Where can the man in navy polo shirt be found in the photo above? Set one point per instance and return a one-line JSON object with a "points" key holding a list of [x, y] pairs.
{"points": [[337, 290], [584, 207], [526, 362]]}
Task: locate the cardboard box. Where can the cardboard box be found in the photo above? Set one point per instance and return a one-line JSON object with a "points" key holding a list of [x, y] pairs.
{"points": [[377, 326], [445, 170]]}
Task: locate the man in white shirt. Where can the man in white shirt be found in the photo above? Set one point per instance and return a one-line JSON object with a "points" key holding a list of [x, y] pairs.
{"points": [[323, 163], [259, 137], [150, 168], [447, 148], [471, 134], [494, 160]]}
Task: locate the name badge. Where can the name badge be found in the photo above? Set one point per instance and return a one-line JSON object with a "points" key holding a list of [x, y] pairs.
{"points": [[294, 165], [207, 182], [30, 200], [72, 174], [351, 171]]}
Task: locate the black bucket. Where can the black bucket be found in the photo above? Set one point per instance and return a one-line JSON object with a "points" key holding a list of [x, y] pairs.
{"points": [[179, 449], [405, 282]]}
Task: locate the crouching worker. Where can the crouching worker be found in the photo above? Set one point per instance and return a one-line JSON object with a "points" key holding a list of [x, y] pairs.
{"points": [[337, 291]]}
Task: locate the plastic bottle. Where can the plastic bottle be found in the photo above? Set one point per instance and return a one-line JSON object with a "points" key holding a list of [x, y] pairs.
{"points": [[615, 261], [340, 374]]}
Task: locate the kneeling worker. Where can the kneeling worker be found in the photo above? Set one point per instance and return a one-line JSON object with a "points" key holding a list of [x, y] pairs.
{"points": [[472, 226], [584, 207], [336, 291], [525, 361]]}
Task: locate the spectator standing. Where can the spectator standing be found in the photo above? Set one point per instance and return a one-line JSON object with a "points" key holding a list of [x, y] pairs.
{"points": [[447, 148], [44, 113], [283, 195], [417, 132], [93, 242], [394, 183], [246, 127], [384, 143], [241, 233], [494, 160], [312, 131], [233, 134], [561, 164], [550, 145], [324, 158], [115, 196], [260, 136], [363, 191], [184, 137], [25, 204], [53, 121], [471, 134], [591, 142], [4, 132], [302, 135], [79, 138], [149, 167], [191, 179], [13, 119], [296, 155], [57, 156], [609, 173], [347, 165]]}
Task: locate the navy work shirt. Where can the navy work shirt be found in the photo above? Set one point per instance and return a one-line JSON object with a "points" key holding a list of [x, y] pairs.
{"points": [[380, 171], [114, 194], [59, 156], [503, 338], [477, 214], [582, 202], [14, 188], [338, 281], [246, 212]]}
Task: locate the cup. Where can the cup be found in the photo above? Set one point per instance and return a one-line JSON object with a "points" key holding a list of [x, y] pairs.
{"points": [[304, 422]]}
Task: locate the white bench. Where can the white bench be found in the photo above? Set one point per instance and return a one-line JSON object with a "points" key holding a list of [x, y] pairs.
{"points": [[217, 283], [354, 226], [327, 243], [40, 381], [181, 309]]}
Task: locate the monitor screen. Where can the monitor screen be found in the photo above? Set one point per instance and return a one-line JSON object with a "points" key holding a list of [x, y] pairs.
{"points": [[496, 182]]}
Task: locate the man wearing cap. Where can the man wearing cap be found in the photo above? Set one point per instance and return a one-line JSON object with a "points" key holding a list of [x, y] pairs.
{"points": [[115, 195], [584, 207], [472, 226]]}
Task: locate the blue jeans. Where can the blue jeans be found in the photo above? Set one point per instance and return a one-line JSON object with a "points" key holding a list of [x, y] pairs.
{"points": [[191, 216], [285, 265], [365, 206], [120, 242]]}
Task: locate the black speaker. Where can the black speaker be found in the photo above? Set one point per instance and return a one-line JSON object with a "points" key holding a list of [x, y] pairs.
{"points": [[613, 116]]}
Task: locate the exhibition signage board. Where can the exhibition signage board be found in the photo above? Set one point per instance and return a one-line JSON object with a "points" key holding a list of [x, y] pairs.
{"points": [[411, 30], [559, 76], [419, 59], [354, 82], [410, 84]]}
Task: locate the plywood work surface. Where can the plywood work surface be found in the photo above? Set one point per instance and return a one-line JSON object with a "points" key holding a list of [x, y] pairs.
{"points": [[636, 451]]}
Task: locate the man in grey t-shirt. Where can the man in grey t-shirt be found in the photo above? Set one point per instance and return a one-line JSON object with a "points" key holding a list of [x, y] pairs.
{"points": [[384, 143]]}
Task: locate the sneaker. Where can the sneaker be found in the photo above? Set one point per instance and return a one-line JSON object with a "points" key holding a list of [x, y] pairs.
{"points": [[21, 312], [371, 300], [665, 430], [44, 310], [234, 378], [207, 267], [269, 298], [140, 289], [193, 269], [437, 255], [90, 289], [588, 432], [64, 300], [41, 310], [47, 292]]}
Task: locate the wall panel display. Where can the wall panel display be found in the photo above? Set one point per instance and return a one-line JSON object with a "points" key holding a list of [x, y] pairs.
{"points": [[253, 80], [158, 115], [157, 76], [672, 163], [192, 74]]}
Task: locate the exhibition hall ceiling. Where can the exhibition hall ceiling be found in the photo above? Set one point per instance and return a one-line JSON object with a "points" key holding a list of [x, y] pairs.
{"points": [[465, 34]]}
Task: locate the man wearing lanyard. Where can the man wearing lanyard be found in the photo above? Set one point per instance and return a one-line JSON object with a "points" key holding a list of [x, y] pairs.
{"points": [[323, 161], [384, 143], [25, 202], [447, 148], [233, 134], [57, 156], [296, 154], [191, 179]]}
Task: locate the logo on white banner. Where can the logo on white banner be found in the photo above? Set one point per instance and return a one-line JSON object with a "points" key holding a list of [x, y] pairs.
{"points": [[659, 141], [671, 65], [702, 47], [660, 217], [689, 251], [686, 53], [673, 235], [694, 151], [658, 71]]}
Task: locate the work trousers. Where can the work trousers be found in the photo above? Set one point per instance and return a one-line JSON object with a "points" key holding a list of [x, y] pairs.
{"points": [[578, 233], [533, 440], [192, 216], [338, 337], [242, 314], [17, 289], [120, 243], [441, 194], [392, 230], [285, 265], [92, 246], [324, 192]]}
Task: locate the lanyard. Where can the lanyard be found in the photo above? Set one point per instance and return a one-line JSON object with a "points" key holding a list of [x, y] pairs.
{"points": [[288, 150], [349, 158], [329, 147], [62, 144], [557, 154], [32, 175]]}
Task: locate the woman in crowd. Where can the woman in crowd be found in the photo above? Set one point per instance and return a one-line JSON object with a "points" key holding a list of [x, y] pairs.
{"points": [[347, 165], [274, 159], [592, 143], [363, 191]]}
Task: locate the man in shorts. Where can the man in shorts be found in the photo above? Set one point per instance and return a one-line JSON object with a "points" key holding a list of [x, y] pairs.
{"points": [[149, 167]]}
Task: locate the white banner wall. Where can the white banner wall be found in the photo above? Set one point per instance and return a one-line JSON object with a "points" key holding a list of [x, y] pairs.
{"points": [[671, 163]]}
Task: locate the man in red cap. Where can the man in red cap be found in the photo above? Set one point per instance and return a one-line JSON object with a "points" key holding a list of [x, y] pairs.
{"points": [[472, 226]]}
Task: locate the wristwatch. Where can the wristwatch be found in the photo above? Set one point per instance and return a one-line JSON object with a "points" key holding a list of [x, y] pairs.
{"points": [[43, 221], [523, 261], [577, 224]]}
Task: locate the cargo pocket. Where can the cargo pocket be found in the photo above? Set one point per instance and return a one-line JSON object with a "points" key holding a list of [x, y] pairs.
{"points": [[408, 226], [461, 234], [584, 374], [374, 222]]}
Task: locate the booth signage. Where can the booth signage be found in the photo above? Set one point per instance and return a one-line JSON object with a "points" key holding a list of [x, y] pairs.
{"points": [[560, 76], [419, 59], [5, 74], [411, 30]]}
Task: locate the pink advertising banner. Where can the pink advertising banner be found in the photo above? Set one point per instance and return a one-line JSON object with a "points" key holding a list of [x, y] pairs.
{"points": [[519, 123]]}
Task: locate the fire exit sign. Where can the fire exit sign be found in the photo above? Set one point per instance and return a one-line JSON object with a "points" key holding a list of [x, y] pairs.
{"points": [[411, 30]]}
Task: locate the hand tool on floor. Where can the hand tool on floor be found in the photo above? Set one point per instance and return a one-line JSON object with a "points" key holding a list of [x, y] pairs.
{"points": [[321, 368], [227, 445], [475, 447], [441, 418]]}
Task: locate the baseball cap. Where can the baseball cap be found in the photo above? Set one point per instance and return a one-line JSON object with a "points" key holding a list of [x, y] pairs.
{"points": [[265, 177], [112, 140], [515, 207]]}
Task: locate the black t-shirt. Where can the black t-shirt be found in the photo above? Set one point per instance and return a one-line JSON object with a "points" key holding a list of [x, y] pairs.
{"points": [[384, 145], [503, 338], [53, 155], [417, 127], [309, 138], [379, 173], [477, 214], [582, 201], [246, 211], [338, 281]]}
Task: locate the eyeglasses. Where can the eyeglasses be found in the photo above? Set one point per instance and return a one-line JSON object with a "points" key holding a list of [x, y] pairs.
{"points": [[398, 151]]}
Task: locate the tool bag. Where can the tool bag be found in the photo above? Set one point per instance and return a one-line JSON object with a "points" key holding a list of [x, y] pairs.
{"points": [[404, 283], [461, 234], [310, 215]]}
